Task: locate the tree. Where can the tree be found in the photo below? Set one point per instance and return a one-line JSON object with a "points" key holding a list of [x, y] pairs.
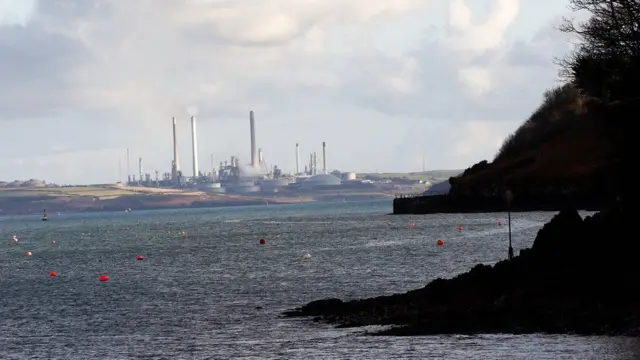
{"points": [[605, 62]]}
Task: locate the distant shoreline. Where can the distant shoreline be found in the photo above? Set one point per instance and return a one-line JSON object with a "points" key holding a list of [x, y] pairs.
{"points": [[81, 205]]}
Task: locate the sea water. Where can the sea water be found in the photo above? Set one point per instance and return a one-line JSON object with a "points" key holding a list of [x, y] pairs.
{"points": [[213, 292]]}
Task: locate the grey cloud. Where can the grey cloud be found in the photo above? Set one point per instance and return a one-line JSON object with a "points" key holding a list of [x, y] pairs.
{"points": [[521, 54], [34, 69], [211, 34], [445, 97]]}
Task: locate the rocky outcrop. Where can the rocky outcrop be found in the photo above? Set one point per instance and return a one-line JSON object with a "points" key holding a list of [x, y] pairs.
{"points": [[580, 276]]}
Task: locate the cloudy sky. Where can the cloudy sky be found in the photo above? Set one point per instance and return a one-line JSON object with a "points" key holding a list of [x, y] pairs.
{"points": [[383, 82]]}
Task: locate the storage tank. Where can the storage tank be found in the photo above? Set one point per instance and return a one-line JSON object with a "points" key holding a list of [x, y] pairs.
{"points": [[349, 176], [212, 187], [242, 187], [321, 180], [271, 184]]}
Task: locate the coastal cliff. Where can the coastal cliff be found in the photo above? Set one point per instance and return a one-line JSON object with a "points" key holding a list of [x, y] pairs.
{"points": [[577, 162], [572, 148], [580, 276]]}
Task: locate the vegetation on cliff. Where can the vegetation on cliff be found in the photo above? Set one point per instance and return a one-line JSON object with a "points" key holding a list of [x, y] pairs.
{"points": [[574, 143]]}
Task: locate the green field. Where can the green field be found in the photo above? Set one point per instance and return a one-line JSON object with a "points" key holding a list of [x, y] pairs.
{"points": [[425, 176], [64, 191]]}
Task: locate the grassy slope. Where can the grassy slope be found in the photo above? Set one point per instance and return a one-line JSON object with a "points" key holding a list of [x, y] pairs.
{"points": [[576, 156]]}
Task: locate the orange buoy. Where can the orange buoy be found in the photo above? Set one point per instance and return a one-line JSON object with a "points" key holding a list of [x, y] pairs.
{"points": [[52, 273], [439, 242], [104, 278], [140, 257], [28, 253], [262, 241]]}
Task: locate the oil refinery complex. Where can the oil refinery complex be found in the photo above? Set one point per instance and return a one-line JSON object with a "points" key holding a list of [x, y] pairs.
{"points": [[235, 177]]}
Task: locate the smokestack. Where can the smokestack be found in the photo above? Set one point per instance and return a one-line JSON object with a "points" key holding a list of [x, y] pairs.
{"points": [[297, 159], [128, 167], [324, 157], [315, 163], [140, 170], [175, 148], [254, 151], [194, 144]]}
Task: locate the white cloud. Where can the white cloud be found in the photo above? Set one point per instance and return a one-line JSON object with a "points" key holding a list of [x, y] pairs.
{"points": [[85, 74], [16, 12], [477, 79]]}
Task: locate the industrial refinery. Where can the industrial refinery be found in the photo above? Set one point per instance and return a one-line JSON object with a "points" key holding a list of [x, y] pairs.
{"points": [[234, 176]]}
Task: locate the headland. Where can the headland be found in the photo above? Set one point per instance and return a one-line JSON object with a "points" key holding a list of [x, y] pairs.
{"points": [[568, 153]]}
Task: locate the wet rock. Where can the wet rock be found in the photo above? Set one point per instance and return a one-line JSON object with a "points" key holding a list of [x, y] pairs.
{"points": [[579, 277]]}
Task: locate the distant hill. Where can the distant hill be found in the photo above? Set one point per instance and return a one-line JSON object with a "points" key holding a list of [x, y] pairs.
{"points": [[432, 176]]}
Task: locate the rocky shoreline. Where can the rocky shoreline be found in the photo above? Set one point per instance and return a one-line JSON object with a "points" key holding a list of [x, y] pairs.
{"points": [[579, 277]]}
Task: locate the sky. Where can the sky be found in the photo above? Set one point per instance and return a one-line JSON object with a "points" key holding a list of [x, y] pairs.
{"points": [[386, 83]]}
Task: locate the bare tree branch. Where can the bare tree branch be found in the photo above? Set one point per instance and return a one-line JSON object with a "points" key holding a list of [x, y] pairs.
{"points": [[603, 62]]}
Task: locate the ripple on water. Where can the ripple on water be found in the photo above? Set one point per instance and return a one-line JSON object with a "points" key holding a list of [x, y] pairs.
{"points": [[216, 293]]}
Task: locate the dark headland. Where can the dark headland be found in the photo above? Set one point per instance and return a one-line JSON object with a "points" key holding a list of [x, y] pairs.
{"points": [[570, 149], [581, 276]]}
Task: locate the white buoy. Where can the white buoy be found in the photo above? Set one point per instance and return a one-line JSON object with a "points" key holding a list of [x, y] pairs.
{"points": [[307, 256]]}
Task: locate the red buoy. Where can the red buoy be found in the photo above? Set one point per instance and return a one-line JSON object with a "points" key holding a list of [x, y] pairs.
{"points": [[262, 241], [52, 274], [499, 223], [104, 278], [440, 242], [53, 242], [140, 257]]}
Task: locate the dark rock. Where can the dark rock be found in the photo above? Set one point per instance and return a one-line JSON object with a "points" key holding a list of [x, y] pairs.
{"points": [[579, 277]]}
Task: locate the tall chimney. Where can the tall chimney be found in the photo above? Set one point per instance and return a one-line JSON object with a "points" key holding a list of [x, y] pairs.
{"points": [[175, 149], [254, 151], [128, 167], [315, 163], [140, 170], [324, 157], [297, 159], [194, 144]]}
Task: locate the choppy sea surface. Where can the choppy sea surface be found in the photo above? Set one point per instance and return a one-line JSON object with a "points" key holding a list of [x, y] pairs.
{"points": [[216, 293]]}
